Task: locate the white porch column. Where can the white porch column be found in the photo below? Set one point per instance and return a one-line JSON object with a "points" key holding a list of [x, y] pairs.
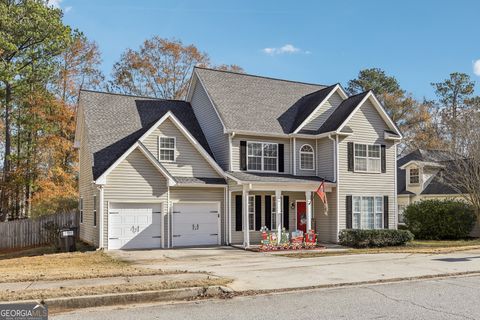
{"points": [[246, 231], [308, 198], [279, 212]]}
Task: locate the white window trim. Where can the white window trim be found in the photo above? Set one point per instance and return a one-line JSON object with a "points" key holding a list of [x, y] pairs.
{"points": [[174, 149], [410, 176], [81, 210], [307, 152], [251, 213], [94, 211], [367, 157], [262, 156], [374, 211], [274, 212]]}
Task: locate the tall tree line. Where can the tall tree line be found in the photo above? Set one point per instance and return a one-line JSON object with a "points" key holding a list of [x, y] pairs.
{"points": [[43, 65]]}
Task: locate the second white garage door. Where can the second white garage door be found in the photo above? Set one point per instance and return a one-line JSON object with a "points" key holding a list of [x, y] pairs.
{"points": [[196, 224], [134, 225]]}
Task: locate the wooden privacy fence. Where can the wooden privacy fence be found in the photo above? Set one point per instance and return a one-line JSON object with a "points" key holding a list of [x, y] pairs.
{"points": [[31, 232]]}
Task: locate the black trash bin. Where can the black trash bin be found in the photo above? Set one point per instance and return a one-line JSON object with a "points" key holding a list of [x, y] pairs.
{"points": [[67, 240]]}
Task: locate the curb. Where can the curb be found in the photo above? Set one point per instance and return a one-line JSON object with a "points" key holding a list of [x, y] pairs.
{"points": [[358, 283], [191, 293], [129, 297]]}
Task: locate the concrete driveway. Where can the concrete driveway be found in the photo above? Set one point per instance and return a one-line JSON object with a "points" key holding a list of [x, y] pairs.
{"points": [[266, 271]]}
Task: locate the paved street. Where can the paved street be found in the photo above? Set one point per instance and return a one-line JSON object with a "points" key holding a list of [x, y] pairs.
{"points": [[449, 298], [258, 271]]}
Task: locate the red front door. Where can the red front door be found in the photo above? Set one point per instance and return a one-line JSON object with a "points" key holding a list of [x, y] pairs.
{"points": [[302, 216]]}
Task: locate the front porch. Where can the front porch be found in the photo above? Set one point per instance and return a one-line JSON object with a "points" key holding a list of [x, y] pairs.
{"points": [[253, 207]]}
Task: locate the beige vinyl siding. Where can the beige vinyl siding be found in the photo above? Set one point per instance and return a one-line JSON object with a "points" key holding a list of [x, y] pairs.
{"points": [[87, 190], [256, 236], [321, 114], [368, 127], [325, 158], [179, 194], [326, 220], [211, 125], [135, 179], [298, 145], [236, 150], [188, 161]]}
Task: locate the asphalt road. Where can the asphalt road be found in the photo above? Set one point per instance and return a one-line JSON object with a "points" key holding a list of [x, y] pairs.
{"points": [[448, 298]]}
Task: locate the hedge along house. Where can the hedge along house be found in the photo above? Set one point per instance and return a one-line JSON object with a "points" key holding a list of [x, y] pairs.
{"points": [[242, 152]]}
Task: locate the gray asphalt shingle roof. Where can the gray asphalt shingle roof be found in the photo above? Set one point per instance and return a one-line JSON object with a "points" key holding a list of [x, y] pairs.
{"points": [[114, 122], [437, 184], [195, 180], [258, 104], [274, 177]]}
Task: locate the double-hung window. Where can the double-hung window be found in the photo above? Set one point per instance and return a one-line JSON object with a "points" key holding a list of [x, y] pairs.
{"points": [[262, 156], [367, 212], [94, 211], [307, 157], [166, 149], [367, 158], [274, 213], [251, 212], [414, 176]]}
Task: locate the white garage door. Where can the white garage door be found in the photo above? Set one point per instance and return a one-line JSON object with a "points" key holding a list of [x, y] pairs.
{"points": [[196, 224], [134, 225]]}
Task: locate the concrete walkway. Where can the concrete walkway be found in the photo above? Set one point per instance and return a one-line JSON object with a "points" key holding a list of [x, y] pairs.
{"points": [[264, 271], [96, 282]]}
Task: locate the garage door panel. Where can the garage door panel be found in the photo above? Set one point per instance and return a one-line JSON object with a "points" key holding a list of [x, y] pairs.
{"points": [[134, 226], [195, 228], [192, 240], [195, 224], [196, 218]]}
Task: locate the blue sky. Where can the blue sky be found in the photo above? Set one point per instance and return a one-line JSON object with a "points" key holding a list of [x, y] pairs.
{"points": [[325, 42]]}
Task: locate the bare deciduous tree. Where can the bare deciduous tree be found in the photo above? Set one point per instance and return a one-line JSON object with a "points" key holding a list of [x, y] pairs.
{"points": [[463, 173]]}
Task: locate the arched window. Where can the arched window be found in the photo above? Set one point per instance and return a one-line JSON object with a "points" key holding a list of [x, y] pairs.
{"points": [[307, 157]]}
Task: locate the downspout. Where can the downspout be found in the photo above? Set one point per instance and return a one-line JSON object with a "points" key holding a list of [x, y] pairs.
{"points": [[101, 211], [334, 158], [168, 217], [294, 156], [229, 216], [230, 137], [395, 205], [225, 223]]}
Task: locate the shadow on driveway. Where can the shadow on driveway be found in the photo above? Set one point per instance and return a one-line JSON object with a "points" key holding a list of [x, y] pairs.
{"points": [[463, 259]]}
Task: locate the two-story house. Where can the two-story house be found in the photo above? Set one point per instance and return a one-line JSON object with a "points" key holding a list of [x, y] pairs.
{"points": [[242, 152]]}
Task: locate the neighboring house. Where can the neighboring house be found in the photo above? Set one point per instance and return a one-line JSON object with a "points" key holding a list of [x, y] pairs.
{"points": [[421, 175], [242, 152]]}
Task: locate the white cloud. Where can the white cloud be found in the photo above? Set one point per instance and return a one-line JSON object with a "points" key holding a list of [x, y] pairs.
{"points": [[55, 3], [476, 67], [286, 49]]}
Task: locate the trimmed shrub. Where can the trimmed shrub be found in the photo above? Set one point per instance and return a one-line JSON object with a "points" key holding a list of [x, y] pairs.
{"points": [[440, 219], [358, 238]]}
